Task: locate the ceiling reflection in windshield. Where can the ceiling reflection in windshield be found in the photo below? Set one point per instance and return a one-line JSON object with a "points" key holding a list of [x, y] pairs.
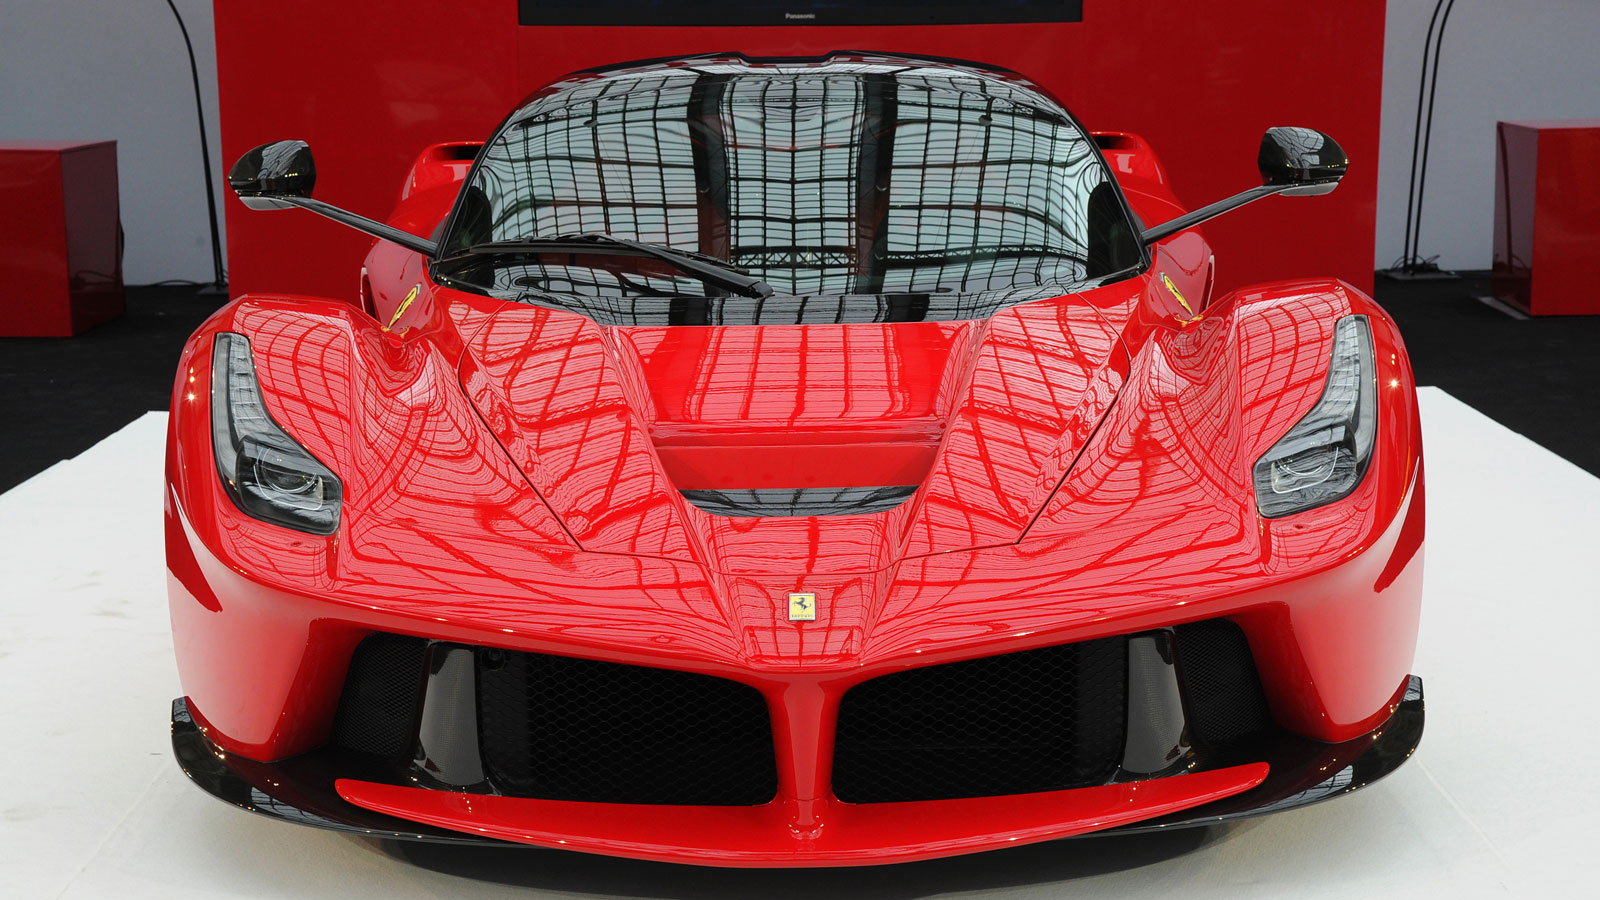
{"points": [[833, 179]]}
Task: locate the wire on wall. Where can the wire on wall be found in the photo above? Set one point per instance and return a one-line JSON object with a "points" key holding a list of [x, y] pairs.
{"points": [[220, 277], [1411, 264]]}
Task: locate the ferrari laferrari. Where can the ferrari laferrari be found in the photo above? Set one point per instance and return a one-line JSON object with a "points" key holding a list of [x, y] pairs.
{"points": [[764, 462]]}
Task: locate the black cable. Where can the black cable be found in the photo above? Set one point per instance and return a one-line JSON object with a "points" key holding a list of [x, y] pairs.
{"points": [[205, 154], [1427, 137], [1416, 137]]}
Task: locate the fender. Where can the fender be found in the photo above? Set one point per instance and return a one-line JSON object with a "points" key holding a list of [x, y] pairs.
{"points": [[1168, 479]]}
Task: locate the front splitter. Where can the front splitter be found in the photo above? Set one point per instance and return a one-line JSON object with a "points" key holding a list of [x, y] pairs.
{"points": [[298, 790], [1305, 772], [1301, 772]]}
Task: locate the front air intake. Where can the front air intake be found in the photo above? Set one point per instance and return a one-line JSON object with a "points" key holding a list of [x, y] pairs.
{"points": [[559, 728], [1222, 691], [382, 690], [1039, 720]]}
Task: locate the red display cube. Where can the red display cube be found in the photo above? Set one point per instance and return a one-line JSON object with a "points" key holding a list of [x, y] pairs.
{"points": [[1546, 232], [60, 258]]}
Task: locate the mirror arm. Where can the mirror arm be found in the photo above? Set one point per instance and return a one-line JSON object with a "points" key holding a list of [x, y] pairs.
{"points": [[377, 229], [1191, 219]]}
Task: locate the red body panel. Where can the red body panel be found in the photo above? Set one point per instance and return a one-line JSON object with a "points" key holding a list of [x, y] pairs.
{"points": [[512, 478], [1151, 530]]}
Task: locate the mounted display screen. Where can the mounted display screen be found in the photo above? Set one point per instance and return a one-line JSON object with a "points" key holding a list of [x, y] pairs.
{"points": [[795, 12]]}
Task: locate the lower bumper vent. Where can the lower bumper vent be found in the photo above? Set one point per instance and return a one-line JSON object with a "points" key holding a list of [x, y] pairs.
{"points": [[378, 709], [562, 728], [1039, 720], [1221, 688], [559, 728]]}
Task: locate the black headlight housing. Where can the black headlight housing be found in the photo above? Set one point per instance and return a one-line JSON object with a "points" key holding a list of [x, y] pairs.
{"points": [[266, 472], [1326, 454]]}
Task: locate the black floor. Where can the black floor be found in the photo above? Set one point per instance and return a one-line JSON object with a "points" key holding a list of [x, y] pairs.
{"points": [[61, 396], [1540, 377]]}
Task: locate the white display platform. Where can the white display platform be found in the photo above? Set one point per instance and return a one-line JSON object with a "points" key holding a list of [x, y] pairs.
{"points": [[1501, 799]]}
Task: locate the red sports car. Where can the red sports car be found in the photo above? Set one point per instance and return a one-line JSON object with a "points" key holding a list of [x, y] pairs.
{"points": [[793, 462]]}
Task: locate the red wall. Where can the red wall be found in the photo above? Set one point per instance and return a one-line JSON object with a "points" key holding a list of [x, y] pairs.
{"points": [[370, 82]]}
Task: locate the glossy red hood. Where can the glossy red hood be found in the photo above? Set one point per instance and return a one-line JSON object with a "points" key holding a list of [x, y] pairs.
{"points": [[611, 424]]}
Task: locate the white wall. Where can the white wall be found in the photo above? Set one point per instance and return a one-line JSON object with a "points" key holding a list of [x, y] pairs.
{"points": [[1503, 60], [99, 69], [116, 70]]}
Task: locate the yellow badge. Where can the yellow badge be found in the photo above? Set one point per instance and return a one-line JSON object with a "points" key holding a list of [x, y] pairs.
{"points": [[404, 305], [802, 607], [1176, 293]]}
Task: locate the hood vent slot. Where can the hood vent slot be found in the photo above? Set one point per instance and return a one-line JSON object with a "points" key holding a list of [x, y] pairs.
{"points": [[798, 502]]}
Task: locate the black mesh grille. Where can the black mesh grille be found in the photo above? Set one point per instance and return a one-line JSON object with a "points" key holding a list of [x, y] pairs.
{"points": [[1221, 687], [378, 709], [558, 728], [1040, 720]]}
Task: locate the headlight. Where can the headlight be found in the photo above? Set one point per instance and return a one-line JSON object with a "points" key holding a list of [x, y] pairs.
{"points": [[1324, 455], [266, 472]]}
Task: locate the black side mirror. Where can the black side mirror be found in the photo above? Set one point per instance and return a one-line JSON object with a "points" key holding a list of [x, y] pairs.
{"points": [[1303, 160], [270, 172], [281, 174], [1294, 162]]}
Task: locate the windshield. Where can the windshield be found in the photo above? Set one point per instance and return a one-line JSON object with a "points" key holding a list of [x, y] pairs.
{"points": [[836, 179]]}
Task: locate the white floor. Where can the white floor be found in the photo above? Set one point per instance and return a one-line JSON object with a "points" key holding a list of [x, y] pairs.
{"points": [[1502, 799]]}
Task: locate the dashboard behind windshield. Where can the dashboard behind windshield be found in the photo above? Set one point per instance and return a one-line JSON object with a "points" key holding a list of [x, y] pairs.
{"points": [[827, 179]]}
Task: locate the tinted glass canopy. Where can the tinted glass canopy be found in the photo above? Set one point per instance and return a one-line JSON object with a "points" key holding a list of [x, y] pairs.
{"points": [[879, 180]]}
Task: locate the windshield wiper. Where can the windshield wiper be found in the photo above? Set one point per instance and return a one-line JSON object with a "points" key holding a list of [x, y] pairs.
{"points": [[706, 268]]}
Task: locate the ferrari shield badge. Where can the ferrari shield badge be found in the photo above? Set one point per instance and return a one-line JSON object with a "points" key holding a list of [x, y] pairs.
{"points": [[802, 607], [401, 309], [1194, 317]]}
